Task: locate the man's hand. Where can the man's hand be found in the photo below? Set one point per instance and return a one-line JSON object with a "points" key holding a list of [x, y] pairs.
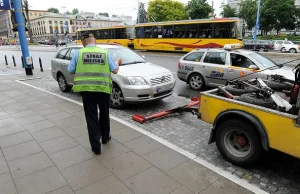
{"points": [[71, 73], [119, 61]]}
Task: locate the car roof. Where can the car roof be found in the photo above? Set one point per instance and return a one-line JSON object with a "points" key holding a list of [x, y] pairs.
{"points": [[105, 46], [237, 51]]}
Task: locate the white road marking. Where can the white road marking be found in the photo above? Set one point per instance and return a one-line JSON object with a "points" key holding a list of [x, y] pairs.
{"points": [[208, 165]]}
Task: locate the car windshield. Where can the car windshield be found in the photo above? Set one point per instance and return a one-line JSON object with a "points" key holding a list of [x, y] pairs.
{"points": [[264, 61], [129, 57]]}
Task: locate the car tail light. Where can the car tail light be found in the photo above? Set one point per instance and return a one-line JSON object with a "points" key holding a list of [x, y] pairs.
{"points": [[271, 45], [178, 64]]}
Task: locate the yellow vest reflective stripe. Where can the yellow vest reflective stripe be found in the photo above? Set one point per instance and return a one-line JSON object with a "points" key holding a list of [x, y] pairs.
{"points": [[92, 71]]}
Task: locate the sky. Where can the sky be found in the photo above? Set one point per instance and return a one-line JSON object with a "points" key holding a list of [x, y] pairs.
{"points": [[118, 7]]}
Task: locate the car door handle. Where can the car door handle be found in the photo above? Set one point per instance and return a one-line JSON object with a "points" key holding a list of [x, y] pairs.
{"points": [[230, 70]]}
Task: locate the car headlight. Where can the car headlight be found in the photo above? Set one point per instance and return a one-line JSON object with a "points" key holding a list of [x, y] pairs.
{"points": [[137, 81]]}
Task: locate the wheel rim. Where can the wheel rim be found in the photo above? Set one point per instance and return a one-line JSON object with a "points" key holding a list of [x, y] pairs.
{"points": [[283, 50], [62, 82], [237, 143], [117, 98], [196, 82], [292, 51], [261, 50]]}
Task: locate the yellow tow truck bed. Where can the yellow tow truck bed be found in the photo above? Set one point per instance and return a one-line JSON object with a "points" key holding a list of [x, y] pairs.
{"points": [[243, 131]]}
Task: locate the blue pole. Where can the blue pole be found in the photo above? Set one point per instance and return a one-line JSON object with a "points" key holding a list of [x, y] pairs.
{"points": [[20, 22], [257, 20]]}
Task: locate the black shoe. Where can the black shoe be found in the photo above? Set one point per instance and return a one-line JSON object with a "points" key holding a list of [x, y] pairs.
{"points": [[106, 141], [96, 152]]}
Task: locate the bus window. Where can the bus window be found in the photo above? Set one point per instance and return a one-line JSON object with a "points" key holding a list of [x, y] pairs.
{"points": [[121, 33], [222, 30], [179, 31], [138, 32], [168, 31], [157, 32], [205, 30], [148, 32], [192, 31]]}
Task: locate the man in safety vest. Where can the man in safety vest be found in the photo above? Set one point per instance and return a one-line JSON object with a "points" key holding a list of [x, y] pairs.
{"points": [[92, 67]]}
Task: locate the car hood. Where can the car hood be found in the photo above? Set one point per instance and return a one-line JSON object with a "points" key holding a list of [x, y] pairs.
{"points": [[142, 69], [287, 73]]}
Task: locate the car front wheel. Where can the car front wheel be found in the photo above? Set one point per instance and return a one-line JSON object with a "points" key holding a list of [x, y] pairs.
{"points": [[62, 83], [117, 98]]}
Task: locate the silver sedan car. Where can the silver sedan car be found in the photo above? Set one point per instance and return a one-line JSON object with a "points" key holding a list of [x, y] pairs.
{"points": [[214, 67], [137, 80]]}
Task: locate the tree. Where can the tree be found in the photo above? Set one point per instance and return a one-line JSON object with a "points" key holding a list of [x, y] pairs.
{"points": [[68, 13], [114, 16], [53, 10], [143, 14], [248, 9], [199, 9], [166, 10], [104, 14], [75, 11], [228, 11]]}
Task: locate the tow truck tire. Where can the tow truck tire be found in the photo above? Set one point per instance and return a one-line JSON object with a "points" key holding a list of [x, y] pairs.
{"points": [[277, 85], [252, 99], [237, 91], [239, 143]]}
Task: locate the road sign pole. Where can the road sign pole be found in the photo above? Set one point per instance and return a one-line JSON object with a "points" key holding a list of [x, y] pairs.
{"points": [[20, 22]]}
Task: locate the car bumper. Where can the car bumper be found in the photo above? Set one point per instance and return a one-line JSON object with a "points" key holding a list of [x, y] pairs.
{"points": [[182, 76], [145, 93]]}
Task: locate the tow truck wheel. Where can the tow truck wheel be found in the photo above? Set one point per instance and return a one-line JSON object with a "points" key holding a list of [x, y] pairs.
{"points": [[239, 143], [196, 81]]}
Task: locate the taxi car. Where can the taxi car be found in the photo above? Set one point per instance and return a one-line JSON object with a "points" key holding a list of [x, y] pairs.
{"points": [[214, 67], [138, 80]]}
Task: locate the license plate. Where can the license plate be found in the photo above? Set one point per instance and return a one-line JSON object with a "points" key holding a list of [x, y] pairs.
{"points": [[160, 89]]}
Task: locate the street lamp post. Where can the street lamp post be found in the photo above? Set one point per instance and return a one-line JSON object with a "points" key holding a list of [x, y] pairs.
{"points": [[65, 25]]}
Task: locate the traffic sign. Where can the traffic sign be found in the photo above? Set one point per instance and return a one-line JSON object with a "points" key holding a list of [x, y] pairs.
{"points": [[4, 4]]}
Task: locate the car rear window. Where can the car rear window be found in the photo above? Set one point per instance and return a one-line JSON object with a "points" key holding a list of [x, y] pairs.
{"points": [[215, 58], [195, 56]]}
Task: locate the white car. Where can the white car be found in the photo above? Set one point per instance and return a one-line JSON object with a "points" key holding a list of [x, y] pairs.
{"points": [[286, 46], [138, 80]]}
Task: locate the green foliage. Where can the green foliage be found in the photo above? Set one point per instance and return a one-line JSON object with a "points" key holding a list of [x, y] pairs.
{"points": [[279, 14], [75, 11], [53, 10], [104, 14], [143, 13], [166, 10], [228, 11], [199, 9]]}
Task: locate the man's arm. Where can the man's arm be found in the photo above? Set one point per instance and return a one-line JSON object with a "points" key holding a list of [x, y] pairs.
{"points": [[73, 62], [114, 66]]}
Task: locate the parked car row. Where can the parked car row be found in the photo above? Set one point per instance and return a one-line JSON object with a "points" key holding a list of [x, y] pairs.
{"points": [[268, 45]]}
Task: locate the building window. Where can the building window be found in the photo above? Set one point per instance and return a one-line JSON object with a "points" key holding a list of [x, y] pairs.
{"points": [[50, 22], [61, 22], [35, 14], [40, 14], [30, 14], [51, 30]]}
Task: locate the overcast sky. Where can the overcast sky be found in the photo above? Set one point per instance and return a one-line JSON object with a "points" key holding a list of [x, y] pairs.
{"points": [[118, 7]]}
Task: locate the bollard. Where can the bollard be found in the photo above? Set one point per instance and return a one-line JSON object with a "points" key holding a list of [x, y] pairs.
{"points": [[22, 62], [6, 60], [32, 63], [14, 60], [41, 65]]}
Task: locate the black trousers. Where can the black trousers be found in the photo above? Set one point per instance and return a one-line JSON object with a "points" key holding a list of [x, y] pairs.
{"points": [[98, 125]]}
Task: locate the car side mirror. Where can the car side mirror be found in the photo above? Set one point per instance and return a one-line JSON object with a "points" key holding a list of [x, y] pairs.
{"points": [[253, 67]]}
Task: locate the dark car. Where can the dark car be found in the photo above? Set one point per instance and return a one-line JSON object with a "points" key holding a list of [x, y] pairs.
{"points": [[258, 45]]}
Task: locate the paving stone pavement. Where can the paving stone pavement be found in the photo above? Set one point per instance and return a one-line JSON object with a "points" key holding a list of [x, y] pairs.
{"points": [[278, 174], [44, 148]]}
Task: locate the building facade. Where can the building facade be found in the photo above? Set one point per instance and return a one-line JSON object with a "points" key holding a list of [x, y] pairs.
{"points": [[297, 3], [43, 27], [6, 25]]}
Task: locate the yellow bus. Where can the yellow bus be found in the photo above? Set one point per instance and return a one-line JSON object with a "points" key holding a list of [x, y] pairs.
{"points": [[186, 35], [122, 35]]}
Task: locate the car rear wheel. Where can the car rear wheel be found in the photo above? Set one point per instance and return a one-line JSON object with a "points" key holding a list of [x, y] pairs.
{"points": [[196, 81], [261, 50], [292, 50], [283, 50], [117, 98], [239, 143], [62, 83]]}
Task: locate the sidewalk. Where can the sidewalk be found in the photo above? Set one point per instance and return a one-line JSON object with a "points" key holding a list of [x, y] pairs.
{"points": [[45, 149]]}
